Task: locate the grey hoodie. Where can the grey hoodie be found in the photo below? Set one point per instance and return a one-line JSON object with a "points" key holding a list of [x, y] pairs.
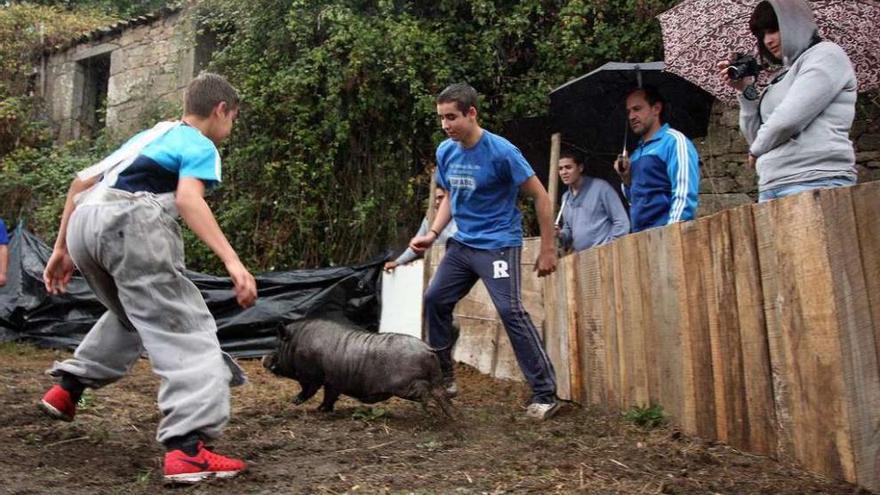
{"points": [[799, 128]]}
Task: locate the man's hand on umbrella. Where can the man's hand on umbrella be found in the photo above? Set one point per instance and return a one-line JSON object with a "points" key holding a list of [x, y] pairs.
{"points": [[622, 166], [737, 84]]}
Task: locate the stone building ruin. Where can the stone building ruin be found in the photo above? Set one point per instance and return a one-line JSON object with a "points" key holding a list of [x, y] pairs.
{"points": [[122, 75]]}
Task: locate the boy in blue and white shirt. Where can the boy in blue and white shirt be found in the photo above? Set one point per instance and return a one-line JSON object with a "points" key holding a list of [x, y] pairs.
{"points": [[119, 227], [662, 177], [483, 174]]}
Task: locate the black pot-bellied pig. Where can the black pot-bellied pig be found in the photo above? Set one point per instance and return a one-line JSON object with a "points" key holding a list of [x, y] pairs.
{"points": [[370, 367]]}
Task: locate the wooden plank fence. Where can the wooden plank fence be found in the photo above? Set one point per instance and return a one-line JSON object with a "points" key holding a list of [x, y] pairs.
{"points": [[758, 326]]}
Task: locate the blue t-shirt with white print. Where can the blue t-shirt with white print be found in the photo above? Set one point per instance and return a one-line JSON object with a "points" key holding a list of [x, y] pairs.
{"points": [[483, 183], [183, 151]]}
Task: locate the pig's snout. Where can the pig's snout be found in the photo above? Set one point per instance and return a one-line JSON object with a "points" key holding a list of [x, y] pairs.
{"points": [[270, 362]]}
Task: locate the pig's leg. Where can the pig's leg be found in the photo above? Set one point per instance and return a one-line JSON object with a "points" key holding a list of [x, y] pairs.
{"points": [[307, 392], [330, 397], [439, 395]]}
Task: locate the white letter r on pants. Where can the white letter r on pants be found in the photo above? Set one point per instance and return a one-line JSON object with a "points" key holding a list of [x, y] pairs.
{"points": [[500, 268]]}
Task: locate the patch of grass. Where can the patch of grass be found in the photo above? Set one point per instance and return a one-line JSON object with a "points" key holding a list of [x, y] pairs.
{"points": [[431, 445], [86, 401], [143, 476], [368, 414], [14, 348], [648, 417]]}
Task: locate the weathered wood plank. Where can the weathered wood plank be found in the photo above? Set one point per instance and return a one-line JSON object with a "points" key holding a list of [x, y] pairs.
{"points": [[591, 344], [810, 337], [858, 357], [757, 377], [610, 290], [630, 322], [699, 391], [730, 407], [765, 216], [556, 326], [571, 305], [866, 204], [664, 286]]}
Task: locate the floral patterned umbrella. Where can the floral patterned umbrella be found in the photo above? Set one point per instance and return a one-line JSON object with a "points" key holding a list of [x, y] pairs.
{"points": [[699, 33]]}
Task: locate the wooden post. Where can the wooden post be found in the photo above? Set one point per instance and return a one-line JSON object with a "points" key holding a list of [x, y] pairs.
{"points": [[552, 171], [432, 190]]}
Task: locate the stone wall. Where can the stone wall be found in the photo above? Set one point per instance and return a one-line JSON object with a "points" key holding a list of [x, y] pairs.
{"points": [[728, 181], [149, 66]]}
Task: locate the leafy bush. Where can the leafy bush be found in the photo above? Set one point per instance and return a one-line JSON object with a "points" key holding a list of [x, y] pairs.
{"points": [[336, 140], [332, 154]]}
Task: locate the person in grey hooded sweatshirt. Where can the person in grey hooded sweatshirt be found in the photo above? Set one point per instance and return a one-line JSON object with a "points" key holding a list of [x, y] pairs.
{"points": [[798, 127]]}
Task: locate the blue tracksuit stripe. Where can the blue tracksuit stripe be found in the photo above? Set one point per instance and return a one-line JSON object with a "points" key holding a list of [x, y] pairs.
{"points": [[684, 194]]}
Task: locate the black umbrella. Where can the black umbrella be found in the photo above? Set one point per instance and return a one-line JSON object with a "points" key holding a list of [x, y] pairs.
{"points": [[590, 111]]}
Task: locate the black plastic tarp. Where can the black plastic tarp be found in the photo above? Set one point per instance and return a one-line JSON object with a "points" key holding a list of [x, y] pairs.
{"points": [[28, 313]]}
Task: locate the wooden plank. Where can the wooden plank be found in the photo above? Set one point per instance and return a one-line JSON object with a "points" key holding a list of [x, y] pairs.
{"points": [[571, 305], [556, 327], [630, 323], [428, 272], [591, 344], [810, 339], [717, 268], [650, 339], [866, 204], [665, 288], [858, 358], [765, 216], [698, 386], [610, 290], [553, 174], [757, 376]]}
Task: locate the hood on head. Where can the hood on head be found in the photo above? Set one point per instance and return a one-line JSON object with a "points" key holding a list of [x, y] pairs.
{"points": [[797, 29]]}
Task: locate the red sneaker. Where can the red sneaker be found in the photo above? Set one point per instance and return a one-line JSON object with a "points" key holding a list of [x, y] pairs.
{"points": [[181, 468], [58, 404]]}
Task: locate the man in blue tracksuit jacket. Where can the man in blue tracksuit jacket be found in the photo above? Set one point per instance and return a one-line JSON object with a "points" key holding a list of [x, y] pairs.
{"points": [[662, 177]]}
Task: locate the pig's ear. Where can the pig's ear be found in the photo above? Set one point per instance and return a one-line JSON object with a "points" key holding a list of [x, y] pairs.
{"points": [[282, 332]]}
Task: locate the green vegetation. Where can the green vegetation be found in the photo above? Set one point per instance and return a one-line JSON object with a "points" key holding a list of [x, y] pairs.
{"points": [[648, 417], [368, 414], [331, 158]]}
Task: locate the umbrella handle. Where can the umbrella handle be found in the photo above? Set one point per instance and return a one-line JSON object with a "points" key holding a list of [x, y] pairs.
{"points": [[559, 215]]}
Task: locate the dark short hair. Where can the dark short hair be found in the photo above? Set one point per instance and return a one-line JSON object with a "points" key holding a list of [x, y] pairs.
{"points": [[575, 156], [206, 92], [652, 96], [764, 19], [462, 94]]}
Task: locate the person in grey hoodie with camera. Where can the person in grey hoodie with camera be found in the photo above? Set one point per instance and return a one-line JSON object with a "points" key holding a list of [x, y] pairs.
{"points": [[798, 127]]}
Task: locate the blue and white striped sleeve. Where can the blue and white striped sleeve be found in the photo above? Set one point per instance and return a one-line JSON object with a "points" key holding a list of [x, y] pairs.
{"points": [[683, 167]]}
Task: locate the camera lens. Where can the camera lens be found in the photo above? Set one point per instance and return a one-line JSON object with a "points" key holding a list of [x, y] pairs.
{"points": [[734, 72]]}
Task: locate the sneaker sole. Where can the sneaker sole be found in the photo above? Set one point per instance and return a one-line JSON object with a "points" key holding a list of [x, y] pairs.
{"points": [[192, 478], [52, 412]]}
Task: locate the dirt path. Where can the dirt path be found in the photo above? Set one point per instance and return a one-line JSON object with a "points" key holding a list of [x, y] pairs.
{"points": [[110, 448]]}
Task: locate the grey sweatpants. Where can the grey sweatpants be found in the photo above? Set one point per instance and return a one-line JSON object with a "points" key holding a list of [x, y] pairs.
{"points": [[130, 251]]}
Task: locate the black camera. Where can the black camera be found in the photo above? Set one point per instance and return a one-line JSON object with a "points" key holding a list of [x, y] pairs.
{"points": [[743, 66]]}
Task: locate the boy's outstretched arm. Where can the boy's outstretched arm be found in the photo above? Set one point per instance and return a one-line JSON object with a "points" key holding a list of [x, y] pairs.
{"points": [[546, 262], [59, 268], [198, 216]]}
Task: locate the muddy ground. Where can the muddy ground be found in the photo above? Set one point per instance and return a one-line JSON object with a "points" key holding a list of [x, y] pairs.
{"points": [[394, 447]]}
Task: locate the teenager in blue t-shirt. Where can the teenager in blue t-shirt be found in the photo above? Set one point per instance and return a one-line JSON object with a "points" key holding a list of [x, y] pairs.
{"points": [[483, 174]]}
